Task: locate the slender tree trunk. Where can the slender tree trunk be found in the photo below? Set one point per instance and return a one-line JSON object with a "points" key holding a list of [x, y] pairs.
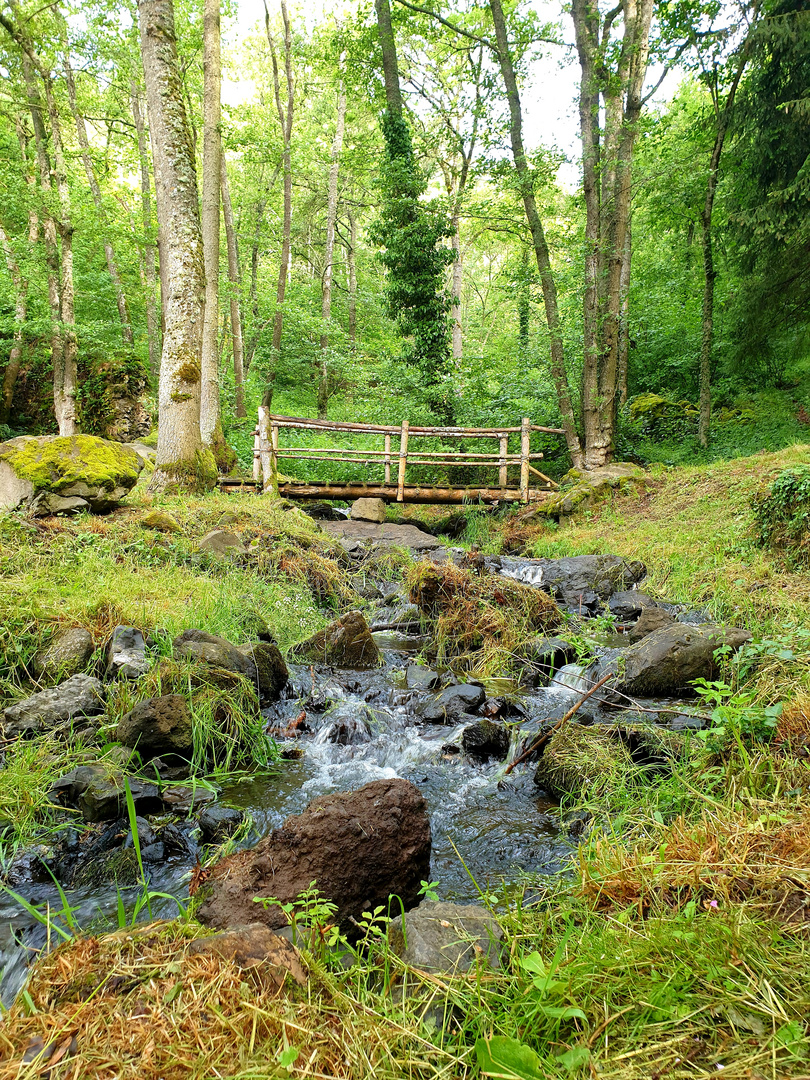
{"points": [[182, 461], [547, 281], [328, 270], [98, 201], [624, 327], [385, 33], [709, 271], [351, 275], [20, 286], [210, 426], [66, 385], [153, 329], [524, 303], [285, 119], [235, 278]]}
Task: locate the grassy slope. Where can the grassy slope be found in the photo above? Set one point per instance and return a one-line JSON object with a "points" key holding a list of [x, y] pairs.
{"points": [[672, 949]]}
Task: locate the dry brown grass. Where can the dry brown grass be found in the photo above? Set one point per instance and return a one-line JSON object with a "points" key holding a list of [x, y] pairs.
{"points": [[480, 620], [793, 730], [136, 1005], [757, 855]]}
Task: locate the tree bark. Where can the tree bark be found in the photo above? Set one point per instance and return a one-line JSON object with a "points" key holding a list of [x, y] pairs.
{"points": [[285, 119], [328, 270], [210, 426], [98, 202], [558, 372], [182, 461], [153, 329], [524, 303], [709, 271], [351, 275], [624, 327], [235, 279], [20, 286], [385, 33]]}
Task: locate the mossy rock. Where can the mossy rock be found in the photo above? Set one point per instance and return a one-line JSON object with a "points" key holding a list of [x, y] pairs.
{"points": [[160, 522], [64, 474], [580, 489]]}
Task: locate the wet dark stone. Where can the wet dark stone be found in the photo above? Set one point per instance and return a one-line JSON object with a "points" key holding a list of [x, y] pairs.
{"points": [[420, 678], [214, 651], [650, 620], [153, 853], [349, 731], [104, 800], [629, 604], [452, 703], [217, 823], [486, 740], [345, 643], [549, 654], [159, 725], [146, 834], [271, 671]]}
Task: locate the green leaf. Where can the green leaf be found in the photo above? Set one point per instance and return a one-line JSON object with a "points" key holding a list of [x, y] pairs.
{"points": [[575, 1057], [507, 1059], [287, 1058]]}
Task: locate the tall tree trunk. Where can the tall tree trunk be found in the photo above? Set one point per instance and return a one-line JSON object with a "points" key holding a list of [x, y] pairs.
{"points": [[607, 188], [153, 329], [709, 271], [524, 303], [235, 278], [20, 286], [285, 119], [254, 299], [388, 46], [65, 380], [210, 425], [182, 461], [456, 325], [624, 326], [95, 190], [328, 270], [351, 276], [541, 253]]}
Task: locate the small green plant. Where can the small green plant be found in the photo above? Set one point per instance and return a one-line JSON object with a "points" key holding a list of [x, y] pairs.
{"points": [[311, 917], [782, 514]]}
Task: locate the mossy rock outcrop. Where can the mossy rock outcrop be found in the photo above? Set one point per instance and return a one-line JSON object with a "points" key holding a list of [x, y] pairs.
{"points": [[51, 474], [580, 489]]}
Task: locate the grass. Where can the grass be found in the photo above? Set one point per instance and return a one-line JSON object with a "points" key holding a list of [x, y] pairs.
{"points": [[673, 946]]}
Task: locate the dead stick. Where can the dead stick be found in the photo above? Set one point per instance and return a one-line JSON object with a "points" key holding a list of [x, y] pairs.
{"points": [[563, 719]]}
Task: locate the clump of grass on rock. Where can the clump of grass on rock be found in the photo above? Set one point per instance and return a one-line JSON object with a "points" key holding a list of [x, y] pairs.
{"points": [[479, 620]]}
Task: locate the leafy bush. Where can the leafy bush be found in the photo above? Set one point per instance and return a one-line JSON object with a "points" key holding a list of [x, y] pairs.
{"points": [[782, 514]]}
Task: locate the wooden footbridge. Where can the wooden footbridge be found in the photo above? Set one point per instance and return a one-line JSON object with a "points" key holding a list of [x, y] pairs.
{"points": [[382, 471]]}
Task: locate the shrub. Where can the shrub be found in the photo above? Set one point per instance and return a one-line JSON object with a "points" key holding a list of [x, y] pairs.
{"points": [[782, 515]]}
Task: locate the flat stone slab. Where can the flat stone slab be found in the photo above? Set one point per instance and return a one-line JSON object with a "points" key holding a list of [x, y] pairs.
{"points": [[441, 936], [387, 535]]}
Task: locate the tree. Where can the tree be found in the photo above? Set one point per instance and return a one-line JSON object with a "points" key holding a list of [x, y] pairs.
{"points": [[235, 280], [410, 234], [328, 269], [182, 461], [210, 424]]}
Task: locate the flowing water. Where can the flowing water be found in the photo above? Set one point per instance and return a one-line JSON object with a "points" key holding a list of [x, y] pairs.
{"points": [[361, 727]]}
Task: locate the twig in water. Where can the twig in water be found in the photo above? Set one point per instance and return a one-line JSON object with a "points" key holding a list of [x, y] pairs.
{"points": [[563, 719]]}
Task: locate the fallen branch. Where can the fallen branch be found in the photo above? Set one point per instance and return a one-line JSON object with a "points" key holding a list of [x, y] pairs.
{"points": [[542, 739]]}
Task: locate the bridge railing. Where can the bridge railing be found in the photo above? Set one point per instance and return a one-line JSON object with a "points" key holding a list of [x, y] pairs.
{"points": [[396, 452]]}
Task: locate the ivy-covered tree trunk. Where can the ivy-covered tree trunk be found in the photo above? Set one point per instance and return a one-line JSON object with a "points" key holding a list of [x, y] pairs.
{"points": [[182, 461]]}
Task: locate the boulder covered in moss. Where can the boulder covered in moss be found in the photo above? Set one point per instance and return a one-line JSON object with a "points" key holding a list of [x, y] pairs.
{"points": [[669, 660], [580, 490], [51, 474]]}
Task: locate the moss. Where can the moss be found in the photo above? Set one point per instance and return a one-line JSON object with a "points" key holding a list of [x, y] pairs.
{"points": [[178, 398], [121, 868], [189, 371], [56, 464], [198, 475]]}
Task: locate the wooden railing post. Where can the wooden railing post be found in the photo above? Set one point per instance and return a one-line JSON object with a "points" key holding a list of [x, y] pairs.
{"points": [[525, 449], [274, 457], [257, 457], [388, 459], [264, 444], [503, 449], [403, 461]]}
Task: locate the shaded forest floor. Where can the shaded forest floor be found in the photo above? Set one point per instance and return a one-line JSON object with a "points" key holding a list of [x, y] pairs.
{"points": [[675, 945]]}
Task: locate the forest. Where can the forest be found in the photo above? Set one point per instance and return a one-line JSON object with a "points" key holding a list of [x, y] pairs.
{"points": [[384, 241], [311, 768]]}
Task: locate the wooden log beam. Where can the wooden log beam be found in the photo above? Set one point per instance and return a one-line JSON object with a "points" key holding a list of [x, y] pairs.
{"points": [[381, 429], [410, 494]]}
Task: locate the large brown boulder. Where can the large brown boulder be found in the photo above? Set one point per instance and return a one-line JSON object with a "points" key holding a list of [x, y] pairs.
{"points": [[345, 643], [359, 847], [668, 660]]}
